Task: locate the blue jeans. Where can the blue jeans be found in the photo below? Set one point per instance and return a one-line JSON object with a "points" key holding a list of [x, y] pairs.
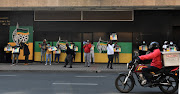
{"points": [[56, 56], [48, 56]]}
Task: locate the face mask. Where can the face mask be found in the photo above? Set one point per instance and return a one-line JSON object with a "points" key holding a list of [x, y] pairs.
{"points": [[171, 43], [144, 42]]}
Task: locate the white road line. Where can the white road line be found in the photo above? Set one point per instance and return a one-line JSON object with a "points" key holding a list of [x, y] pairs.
{"points": [[91, 76], [7, 75], [88, 84]]}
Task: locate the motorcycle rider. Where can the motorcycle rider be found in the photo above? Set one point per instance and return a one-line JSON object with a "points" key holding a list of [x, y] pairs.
{"points": [[155, 65]]}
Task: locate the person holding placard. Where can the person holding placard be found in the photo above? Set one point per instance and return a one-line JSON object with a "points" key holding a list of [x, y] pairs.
{"points": [[69, 56], [116, 54], [43, 50], [8, 50], [15, 51], [57, 53], [110, 53], [48, 54]]}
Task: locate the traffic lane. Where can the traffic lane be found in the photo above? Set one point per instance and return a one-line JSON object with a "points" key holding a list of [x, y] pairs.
{"points": [[70, 83]]}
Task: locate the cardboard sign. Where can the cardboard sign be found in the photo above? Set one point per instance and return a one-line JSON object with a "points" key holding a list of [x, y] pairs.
{"points": [[53, 48], [117, 49], [15, 50], [76, 48], [57, 51], [143, 48], [8, 49], [113, 36]]}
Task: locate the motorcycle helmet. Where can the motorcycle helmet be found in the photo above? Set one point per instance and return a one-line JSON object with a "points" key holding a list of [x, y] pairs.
{"points": [[153, 45]]}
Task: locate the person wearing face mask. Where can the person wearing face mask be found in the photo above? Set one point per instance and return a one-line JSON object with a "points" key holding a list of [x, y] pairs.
{"points": [[87, 56], [48, 54], [165, 46], [143, 51], [172, 46]]}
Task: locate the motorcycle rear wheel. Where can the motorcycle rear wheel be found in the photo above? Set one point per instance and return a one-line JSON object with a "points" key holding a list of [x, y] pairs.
{"points": [[169, 89], [124, 88]]}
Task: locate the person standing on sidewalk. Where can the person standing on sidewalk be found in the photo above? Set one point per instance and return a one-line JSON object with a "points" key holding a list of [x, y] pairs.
{"points": [[110, 53], [116, 55], [16, 52], [70, 54], [87, 56], [57, 53], [92, 54], [48, 54], [26, 52], [43, 50]]}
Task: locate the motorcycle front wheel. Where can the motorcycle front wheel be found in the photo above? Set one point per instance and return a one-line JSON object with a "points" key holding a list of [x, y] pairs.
{"points": [[124, 88], [172, 84]]}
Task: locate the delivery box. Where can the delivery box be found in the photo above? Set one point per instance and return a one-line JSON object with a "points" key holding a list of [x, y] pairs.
{"points": [[171, 58]]}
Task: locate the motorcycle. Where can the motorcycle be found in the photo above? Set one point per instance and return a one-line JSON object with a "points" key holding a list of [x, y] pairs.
{"points": [[166, 79]]}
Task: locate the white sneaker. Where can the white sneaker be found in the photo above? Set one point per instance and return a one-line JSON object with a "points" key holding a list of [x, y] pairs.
{"points": [[12, 64], [49, 64], [45, 64], [143, 82]]}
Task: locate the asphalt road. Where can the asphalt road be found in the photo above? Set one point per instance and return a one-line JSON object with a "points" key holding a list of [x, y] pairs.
{"points": [[63, 83]]}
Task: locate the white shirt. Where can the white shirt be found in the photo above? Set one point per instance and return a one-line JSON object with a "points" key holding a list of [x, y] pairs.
{"points": [[110, 49]]}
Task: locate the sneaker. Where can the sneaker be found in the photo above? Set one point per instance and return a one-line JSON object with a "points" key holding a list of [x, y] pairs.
{"points": [[111, 67], [49, 64], [12, 64], [70, 67], [45, 64], [64, 65], [143, 82]]}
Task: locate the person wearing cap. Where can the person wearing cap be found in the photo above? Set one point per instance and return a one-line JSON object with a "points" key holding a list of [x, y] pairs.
{"points": [[87, 56]]}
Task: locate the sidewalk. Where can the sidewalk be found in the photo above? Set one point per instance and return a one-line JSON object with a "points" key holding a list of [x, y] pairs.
{"points": [[77, 67]]}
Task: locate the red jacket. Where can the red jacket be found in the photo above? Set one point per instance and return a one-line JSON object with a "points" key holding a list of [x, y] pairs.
{"points": [[87, 48], [155, 56]]}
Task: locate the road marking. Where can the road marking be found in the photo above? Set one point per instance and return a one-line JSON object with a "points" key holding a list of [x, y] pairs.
{"points": [[7, 75], [89, 84], [91, 76]]}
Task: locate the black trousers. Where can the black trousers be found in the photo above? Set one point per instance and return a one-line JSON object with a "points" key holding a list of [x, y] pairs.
{"points": [[147, 72], [110, 57], [26, 58], [68, 59]]}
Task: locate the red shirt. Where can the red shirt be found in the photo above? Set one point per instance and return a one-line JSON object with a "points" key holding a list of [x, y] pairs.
{"points": [[155, 56], [87, 48]]}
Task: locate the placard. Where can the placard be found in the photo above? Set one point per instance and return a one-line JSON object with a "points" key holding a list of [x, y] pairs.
{"points": [[117, 49], [7, 48], [143, 48], [76, 48], [15, 50], [53, 48], [113, 36], [57, 51]]}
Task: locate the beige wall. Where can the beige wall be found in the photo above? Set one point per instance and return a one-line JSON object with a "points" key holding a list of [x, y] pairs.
{"points": [[78, 3]]}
